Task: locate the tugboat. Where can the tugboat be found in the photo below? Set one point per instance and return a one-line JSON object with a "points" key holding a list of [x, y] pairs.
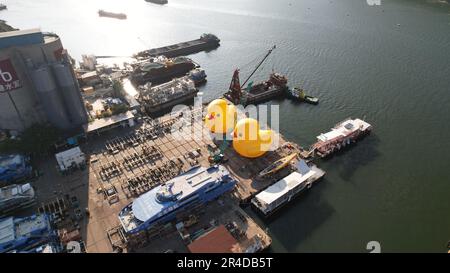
{"points": [[198, 75], [299, 95]]}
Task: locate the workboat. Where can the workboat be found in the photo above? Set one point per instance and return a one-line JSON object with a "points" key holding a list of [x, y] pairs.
{"points": [[159, 2], [160, 70], [15, 197], [299, 94], [278, 165], [121, 16], [198, 75], [285, 190], [207, 41], [196, 187], [256, 93], [164, 96], [341, 136]]}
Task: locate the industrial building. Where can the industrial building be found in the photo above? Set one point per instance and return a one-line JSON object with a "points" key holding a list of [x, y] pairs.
{"points": [[37, 82]]}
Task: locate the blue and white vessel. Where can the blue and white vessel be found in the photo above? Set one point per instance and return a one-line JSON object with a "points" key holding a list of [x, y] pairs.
{"points": [[198, 185], [19, 234]]}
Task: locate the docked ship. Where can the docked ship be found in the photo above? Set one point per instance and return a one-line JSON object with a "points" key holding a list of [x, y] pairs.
{"points": [[164, 96], [341, 136], [15, 197], [206, 42], [159, 2], [282, 192], [21, 234], [160, 70], [197, 186], [274, 87], [121, 16]]}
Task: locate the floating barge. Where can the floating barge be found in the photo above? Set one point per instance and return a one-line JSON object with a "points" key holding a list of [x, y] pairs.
{"points": [[160, 70], [206, 42], [159, 2], [282, 192], [120, 16], [342, 135], [274, 87], [162, 97], [254, 94]]}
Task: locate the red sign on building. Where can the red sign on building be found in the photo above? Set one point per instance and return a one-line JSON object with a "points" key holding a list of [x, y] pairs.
{"points": [[8, 77]]}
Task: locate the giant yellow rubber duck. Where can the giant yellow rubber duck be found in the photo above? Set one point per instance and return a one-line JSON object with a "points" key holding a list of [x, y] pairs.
{"points": [[220, 117], [249, 141]]}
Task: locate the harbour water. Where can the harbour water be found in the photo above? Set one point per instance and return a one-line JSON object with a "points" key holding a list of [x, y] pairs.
{"points": [[387, 63]]}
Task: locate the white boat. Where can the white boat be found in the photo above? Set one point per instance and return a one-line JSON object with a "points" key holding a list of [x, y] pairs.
{"points": [[15, 197], [342, 135], [285, 190]]}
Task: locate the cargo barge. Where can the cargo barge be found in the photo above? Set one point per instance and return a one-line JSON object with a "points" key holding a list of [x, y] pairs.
{"points": [[206, 42], [160, 205], [161, 70], [120, 16], [342, 135], [159, 2], [162, 97], [282, 192]]}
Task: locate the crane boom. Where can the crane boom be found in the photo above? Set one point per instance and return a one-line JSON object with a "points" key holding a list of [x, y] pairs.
{"points": [[260, 63]]}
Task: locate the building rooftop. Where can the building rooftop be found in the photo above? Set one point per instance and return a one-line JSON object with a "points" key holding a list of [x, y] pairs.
{"points": [[7, 230], [283, 186], [219, 240], [21, 38], [105, 122]]}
